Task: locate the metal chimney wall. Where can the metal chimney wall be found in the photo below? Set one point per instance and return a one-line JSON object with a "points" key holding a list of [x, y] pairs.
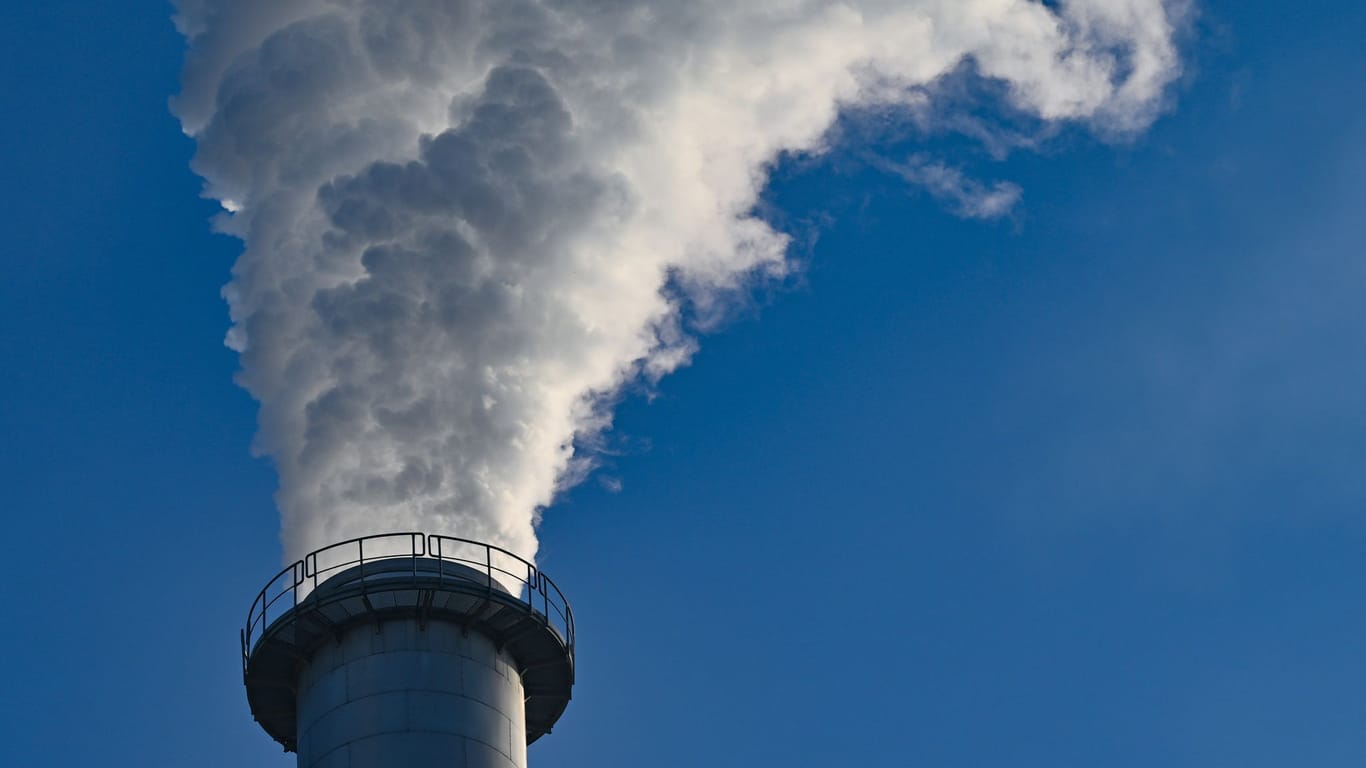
{"points": [[412, 650], [403, 695]]}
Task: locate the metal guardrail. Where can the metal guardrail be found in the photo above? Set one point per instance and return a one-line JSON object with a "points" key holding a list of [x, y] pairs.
{"points": [[293, 584]]}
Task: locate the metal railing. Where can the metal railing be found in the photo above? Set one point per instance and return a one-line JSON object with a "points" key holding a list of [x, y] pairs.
{"points": [[523, 580]]}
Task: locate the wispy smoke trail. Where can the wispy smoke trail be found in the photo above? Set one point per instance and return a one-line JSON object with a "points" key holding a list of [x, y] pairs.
{"points": [[468, 222], [968, 198]]}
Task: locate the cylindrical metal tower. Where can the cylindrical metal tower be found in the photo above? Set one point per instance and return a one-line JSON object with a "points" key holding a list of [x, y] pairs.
{"points": [[408, 649]]}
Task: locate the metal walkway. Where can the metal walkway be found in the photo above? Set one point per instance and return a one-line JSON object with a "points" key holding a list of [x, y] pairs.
{"points": [[476, 586]]}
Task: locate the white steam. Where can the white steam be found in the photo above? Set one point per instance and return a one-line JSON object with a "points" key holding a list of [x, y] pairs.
{"points": [[469, 222], [968, 198]]}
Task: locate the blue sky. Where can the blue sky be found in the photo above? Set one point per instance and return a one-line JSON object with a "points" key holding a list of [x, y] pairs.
{"points": [[1077, 487]]}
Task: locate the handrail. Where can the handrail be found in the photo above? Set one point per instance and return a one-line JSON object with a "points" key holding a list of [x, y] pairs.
{"points": [[553, 608]]}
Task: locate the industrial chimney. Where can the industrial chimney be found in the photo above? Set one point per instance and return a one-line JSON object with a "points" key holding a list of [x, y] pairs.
{"points": [[409, 649]]}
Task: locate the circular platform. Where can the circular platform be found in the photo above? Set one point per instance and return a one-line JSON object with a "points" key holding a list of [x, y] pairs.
{"points": [[412, 576]]}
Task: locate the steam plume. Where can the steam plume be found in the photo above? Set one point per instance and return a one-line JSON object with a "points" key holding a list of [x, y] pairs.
{"points": [[468, 222]]}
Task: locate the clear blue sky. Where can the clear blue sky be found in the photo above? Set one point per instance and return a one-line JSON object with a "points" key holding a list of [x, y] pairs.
{"points": [[1078, 488]]}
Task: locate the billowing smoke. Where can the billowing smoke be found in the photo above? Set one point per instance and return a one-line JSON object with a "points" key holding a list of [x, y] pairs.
{"points": [[468, 223]]}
